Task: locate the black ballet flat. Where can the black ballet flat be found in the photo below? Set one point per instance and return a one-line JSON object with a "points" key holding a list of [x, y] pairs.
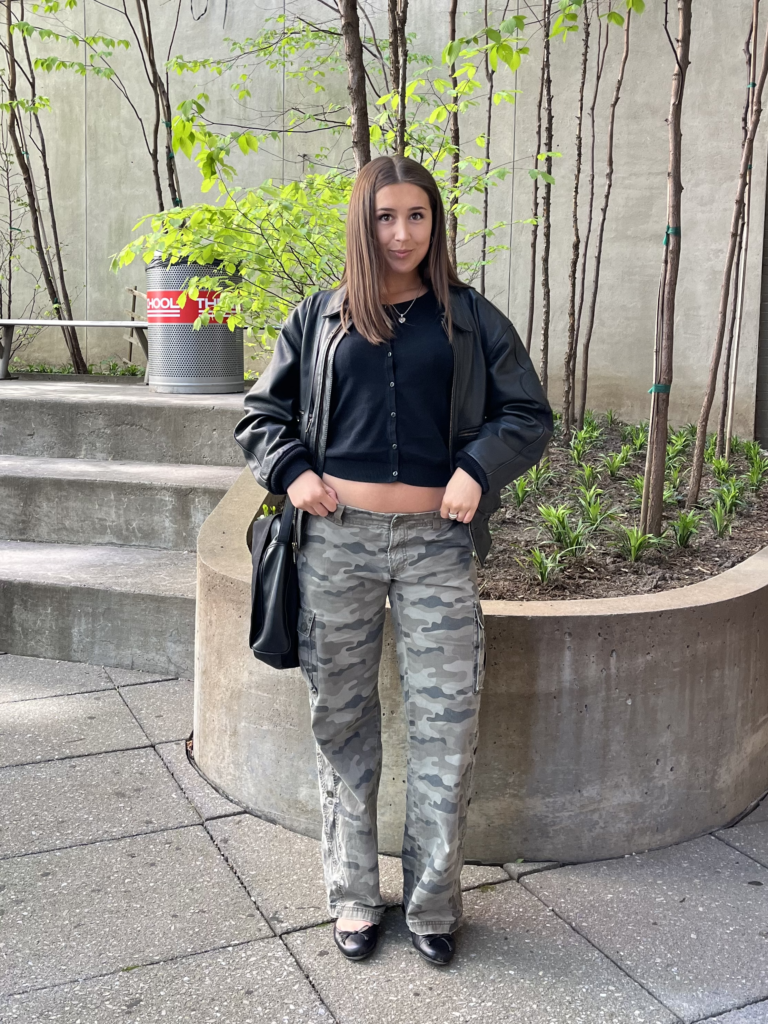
{"points": [[357, 945], [436, 949]]}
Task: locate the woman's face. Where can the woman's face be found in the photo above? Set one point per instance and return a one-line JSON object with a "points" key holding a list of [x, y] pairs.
{"points": [[403, 226]]}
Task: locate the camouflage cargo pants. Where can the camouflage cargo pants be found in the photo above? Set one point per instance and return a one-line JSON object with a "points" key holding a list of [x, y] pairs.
{"points": [[348, 563]]}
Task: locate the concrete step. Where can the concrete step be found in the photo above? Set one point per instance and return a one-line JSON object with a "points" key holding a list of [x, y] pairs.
{"points": [[109, 421], [128, 607], [77, 501]]}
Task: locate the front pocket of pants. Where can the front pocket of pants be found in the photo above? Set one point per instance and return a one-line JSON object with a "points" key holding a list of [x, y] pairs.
{"points": [[480, 650], [308, 650]]}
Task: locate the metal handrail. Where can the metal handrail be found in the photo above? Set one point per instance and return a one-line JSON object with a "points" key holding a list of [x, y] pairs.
{"points": [[140, 326]]}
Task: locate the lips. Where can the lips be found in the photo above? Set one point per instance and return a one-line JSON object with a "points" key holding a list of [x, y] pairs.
{"points": [[401, 252]]}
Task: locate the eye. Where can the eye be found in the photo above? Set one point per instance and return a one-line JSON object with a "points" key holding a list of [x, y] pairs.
{"points": [[384, 216], [418, 216]]}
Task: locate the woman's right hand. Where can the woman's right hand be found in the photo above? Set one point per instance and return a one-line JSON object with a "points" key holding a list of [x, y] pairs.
{"points": [[310, 493]]}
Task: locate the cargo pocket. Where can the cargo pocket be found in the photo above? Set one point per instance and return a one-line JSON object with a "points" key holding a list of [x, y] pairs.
{"points": [[479, 645], [307, 650]]}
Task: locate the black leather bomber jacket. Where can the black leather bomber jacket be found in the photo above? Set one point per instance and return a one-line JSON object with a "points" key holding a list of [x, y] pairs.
{"points": [[499, 413]]}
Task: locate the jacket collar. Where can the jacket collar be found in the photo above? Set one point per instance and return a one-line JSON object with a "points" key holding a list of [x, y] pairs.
{"points": [[460, 312]]}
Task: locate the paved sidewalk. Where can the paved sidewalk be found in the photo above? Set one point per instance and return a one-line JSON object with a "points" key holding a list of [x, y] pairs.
{"points": [[131, 890]]}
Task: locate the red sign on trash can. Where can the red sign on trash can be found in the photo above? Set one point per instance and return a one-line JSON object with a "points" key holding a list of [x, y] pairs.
{"points": [[163, 306]]}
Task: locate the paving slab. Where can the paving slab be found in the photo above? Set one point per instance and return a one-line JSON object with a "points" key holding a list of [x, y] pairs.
{"points": [[54, 727], [203, 797], [87, 799], [129, 676], [28, 678], [517, 870], [283, 871], [750, 839], [757, 1013], [253, 982], [690, 923], [516, 963], [165, 710], [91, 910]]}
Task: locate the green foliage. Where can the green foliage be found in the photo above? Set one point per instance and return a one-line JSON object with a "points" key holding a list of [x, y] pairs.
{"points": [[570, 537], [721, 470], [756, 473], [540, 475], [544, 565], [685, 527], [637, 484], [286, 242], [266, 511], [730, 494], [752, 451], [710, 448], [632, 544], [592, 511], [721, 518], [519, 490], [610, 417], [614, 463], [586, 474], [636, 436]]}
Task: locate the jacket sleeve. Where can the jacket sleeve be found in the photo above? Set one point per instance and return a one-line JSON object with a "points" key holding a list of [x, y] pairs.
{"points": [[518, 418], [268, 433]]}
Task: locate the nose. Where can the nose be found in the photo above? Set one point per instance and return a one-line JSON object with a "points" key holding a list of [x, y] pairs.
{"points": [[401, 230]]}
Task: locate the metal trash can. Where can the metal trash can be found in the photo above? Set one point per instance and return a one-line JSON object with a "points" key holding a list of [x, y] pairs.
{"points": [[182, 360]]}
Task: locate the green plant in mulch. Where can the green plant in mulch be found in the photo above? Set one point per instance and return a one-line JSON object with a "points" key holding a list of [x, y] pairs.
{"points": [[756, 474], [721, 470], [721, 519], [519, 490], [685, 527], [544, 565], [632, 544], [586, 475], [569, 536], [540, 475], [610, 417], [591, 505], [730, 494]]}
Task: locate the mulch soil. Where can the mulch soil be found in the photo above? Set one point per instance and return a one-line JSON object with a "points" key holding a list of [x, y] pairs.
{"points": [[602, 571]]}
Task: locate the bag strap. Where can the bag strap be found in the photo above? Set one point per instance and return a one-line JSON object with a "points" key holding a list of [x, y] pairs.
{"points": [[287, 518]]}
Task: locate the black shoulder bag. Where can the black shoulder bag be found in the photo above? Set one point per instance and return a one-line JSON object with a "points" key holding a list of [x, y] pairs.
{"points": [[275, 590]]}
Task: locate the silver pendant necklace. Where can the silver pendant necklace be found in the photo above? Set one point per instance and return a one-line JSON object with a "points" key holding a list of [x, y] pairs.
{"points": [[401, 316]]}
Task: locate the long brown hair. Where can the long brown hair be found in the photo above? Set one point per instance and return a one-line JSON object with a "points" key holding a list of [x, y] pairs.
{"points": [[364, 268]]}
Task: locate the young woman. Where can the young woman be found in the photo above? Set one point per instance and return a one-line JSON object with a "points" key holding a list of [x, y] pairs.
{"points": [[393, 411]]}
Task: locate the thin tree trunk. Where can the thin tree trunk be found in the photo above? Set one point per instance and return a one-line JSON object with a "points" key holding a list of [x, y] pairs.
{"points": [[398, 63], [599, 66], [657, 432], [535, 217], [21, 154], [487, 156], [746, 159], [750, 53], [590, 325], [453, 123], [546, 206], [358, 101], [570, 351], [725, 386], [162, 104]]}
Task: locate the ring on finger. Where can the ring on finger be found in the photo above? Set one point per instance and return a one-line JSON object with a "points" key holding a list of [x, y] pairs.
{"points": [[453, 515]]}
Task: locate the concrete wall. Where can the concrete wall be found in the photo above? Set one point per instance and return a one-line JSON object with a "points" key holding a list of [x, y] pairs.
{"points": [[607, 726], [103, 183]]}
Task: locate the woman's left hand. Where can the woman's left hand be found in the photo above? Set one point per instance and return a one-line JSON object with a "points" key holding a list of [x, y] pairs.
{"points": [[462, 496]]}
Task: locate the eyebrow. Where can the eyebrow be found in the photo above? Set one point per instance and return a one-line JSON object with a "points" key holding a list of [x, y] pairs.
{"points": [[391, 209]]}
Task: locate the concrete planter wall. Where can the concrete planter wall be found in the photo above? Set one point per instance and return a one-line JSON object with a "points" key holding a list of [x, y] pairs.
{"points": [[607, 726]]}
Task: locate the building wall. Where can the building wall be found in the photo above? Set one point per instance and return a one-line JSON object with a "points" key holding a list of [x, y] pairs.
{"points": [[103, 182]]}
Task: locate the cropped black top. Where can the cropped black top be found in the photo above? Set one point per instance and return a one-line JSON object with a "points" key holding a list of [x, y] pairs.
{"points": [[390, 407]]}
